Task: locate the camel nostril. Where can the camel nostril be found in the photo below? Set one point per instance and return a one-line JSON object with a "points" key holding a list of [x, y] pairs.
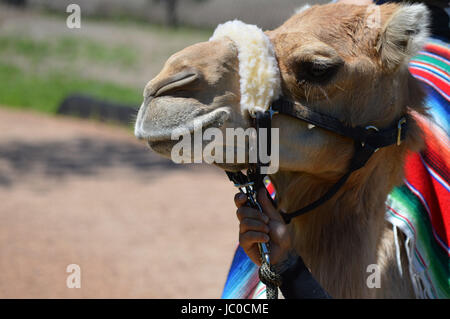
{"points": [[171, 83]]}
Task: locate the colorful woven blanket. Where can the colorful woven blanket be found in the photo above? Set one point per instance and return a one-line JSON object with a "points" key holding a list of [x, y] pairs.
{"points": [[420, 208]]}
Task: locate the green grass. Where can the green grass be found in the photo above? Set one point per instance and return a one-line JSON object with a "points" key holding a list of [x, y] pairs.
{"points": [[66, 48], [27, 86], [45, 92], [38, 73]]}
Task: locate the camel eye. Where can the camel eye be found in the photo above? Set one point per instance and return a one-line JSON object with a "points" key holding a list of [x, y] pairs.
{"points": [[316, 73], [318, 70]]}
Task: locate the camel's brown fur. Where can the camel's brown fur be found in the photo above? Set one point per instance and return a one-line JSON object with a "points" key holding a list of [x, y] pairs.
{"points": [[341, 238]]}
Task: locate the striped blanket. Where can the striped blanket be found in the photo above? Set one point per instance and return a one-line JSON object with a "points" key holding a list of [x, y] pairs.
{"points": [[420, 208]]}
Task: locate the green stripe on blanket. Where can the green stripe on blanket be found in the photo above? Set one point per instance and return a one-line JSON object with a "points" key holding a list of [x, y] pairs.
{"points": [[430, 60], [408, 214]]}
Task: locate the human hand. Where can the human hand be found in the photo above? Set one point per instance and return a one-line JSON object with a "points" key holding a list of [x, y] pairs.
{"points": [[256, 227]]}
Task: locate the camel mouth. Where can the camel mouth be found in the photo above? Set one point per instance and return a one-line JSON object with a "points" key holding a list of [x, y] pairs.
{"points": [[162, 120], [214, 118], [162, 140]]}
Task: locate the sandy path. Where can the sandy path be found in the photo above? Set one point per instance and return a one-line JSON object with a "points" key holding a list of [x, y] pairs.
{"points": [[76, 192]]}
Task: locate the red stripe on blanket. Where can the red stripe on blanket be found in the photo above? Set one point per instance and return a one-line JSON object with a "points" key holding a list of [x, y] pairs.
{"points": [[437, 81], [436, 141], [434, 194], [438, 49]]}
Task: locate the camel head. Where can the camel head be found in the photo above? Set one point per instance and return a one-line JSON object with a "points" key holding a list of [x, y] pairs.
{"points": [[347, 61]]}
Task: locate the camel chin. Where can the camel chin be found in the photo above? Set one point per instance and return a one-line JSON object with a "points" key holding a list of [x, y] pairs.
{"points": [[164, 148]]}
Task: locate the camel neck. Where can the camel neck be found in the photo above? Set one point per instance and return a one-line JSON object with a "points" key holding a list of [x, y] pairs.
{"points": [[347, 228]]}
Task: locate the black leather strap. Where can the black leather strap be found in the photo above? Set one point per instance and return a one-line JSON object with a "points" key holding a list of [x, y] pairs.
{"points": [[359, 159], [298, 283], [377, 138], [301, 112], [263, 120]]}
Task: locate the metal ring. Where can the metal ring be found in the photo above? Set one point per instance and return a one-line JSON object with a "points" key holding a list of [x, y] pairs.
{"points": [[371, 127], [244, 185]]}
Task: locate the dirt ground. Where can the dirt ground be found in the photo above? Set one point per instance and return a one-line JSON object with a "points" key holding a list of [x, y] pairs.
{"points": [[86, 193]]}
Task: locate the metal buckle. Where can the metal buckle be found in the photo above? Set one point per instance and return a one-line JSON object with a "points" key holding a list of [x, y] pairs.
{"points": [[370, 127], [244, 185], [399, 130]]}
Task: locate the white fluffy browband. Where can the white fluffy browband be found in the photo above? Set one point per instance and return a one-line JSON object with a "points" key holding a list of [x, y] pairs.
{"points": [[258, 67]]}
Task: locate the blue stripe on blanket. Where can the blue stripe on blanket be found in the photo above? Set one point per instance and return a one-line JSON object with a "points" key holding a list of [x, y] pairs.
{"points": [[438, 108], [242, 278]]}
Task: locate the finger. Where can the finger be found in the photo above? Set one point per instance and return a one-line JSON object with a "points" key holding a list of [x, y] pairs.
{"points": [[248, 224], [240, 199], [267, 206], [248, 212], [248, 239]]}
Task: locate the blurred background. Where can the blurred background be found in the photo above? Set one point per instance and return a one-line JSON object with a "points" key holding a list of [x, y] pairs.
{"points": [[76, 187]]}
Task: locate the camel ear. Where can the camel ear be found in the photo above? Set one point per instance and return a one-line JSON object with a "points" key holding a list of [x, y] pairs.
{"points": [[403, 35]]}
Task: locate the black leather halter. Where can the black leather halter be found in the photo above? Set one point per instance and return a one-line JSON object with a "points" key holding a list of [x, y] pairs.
{"points": [[367, 140]]}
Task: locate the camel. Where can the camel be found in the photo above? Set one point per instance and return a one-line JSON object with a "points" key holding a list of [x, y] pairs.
{"points": [[331, 61]]}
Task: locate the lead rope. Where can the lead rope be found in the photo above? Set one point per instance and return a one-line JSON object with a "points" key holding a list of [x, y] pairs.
{"points": [[271, 279], [267, 275], [249, 185]]}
